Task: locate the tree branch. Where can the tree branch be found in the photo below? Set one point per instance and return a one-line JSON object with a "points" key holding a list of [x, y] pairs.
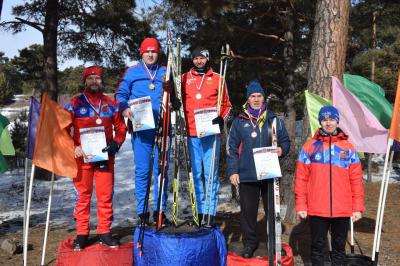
{"points": [[257, 58], [35, 25], [276, 37]]}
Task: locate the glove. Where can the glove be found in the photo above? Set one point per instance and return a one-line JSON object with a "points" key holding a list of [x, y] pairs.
{"points": [[112, 148], [166, 86], [175, 104], [220, 121]]}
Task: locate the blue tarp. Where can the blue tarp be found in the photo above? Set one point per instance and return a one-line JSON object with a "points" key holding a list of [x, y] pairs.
{"points": [[203, 247]]}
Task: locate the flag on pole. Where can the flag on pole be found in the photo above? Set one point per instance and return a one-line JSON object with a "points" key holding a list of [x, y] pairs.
{"points": [[34, 111], [54, 147], [6, 146], [314, 104], [395, 124], [371, 95], [365, 131]]}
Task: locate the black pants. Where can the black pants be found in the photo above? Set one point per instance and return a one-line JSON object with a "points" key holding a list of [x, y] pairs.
{"points": [[319, 230], [249, 198]]}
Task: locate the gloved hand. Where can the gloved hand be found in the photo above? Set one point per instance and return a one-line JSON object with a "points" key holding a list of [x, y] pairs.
{"points": [[175, 104], [112, 148], [220, 121], [166, 86]]}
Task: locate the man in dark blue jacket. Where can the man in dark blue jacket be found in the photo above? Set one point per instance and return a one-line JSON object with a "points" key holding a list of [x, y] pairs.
{"points": [[252, 129]]}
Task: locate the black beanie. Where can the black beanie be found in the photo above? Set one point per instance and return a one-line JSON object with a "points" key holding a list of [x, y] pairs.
{"points": [[201, 51]]}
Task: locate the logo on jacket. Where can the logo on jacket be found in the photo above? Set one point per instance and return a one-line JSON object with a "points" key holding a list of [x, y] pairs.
{"points": [[342, 155], [318, 156], [83, 110], [209, 81], [246, 125]]}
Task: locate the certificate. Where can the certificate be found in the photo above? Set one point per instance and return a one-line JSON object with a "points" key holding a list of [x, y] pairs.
{"points": [[267, 163], [93, 140], [142, 110], [203, 120]]}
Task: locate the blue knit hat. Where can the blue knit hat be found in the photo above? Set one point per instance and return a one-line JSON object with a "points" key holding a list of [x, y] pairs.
{"points": [[328, 112], [254, 87]]}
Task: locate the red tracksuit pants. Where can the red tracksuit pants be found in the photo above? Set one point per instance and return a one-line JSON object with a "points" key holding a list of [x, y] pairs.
{"points": [[104, 184]]}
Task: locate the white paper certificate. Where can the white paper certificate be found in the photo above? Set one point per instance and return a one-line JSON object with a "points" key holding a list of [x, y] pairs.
{"points": [[142, 110], [267, 163], [203, 120], [93, 140]]}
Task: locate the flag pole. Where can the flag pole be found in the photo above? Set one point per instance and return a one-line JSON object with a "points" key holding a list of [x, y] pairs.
{"points": [[25, 196], [381, 194], [383, 203], [47, 220], [27, 215]]}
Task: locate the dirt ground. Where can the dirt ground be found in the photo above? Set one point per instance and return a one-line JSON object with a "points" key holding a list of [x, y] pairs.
{"points": [[296, 235]]}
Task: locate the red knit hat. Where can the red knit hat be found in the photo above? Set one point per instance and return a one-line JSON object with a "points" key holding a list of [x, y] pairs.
{"points": [[92, 70], [149, 44]]}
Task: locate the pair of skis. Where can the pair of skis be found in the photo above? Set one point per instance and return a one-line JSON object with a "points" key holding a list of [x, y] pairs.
{"points": [[181, 143], [274, 219]]}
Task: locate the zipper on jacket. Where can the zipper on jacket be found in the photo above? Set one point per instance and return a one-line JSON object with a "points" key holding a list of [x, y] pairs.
{"points": [[330, 170]]}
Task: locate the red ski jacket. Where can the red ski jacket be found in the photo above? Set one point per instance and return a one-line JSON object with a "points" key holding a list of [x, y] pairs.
{"points": [[191, 86], [329, 177], [84, 116]]}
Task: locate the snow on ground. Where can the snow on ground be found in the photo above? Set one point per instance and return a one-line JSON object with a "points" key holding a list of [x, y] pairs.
{"points": [[12, 195]]}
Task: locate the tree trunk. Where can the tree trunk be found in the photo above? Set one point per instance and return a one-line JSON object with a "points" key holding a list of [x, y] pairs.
{"points": [[50, 81], [288, 177], [329, 43]]}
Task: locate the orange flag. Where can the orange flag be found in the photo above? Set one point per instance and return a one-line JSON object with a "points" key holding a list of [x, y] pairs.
{"points": [[395, 125], [54, 147]]}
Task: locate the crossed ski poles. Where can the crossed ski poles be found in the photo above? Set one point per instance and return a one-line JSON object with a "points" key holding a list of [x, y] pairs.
{"points": [[226, 54]]}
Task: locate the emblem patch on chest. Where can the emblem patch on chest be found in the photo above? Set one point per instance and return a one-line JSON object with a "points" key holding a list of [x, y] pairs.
{"points": [[246, 125], [82, 110]]}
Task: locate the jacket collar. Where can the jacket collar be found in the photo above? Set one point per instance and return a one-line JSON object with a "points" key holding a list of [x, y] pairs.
{"points": [[322, 136], [195, 73]]}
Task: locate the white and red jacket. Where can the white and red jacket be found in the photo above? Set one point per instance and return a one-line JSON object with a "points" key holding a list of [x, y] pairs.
{"points": [[191, 82]]}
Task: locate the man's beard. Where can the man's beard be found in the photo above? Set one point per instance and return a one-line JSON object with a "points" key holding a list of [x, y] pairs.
{"points": [[99, 89]]}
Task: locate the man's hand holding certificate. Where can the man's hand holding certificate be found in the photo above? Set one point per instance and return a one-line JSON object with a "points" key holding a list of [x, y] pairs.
{"points": [[93, 140], [267, 163], [142, 113], [203, 119]]}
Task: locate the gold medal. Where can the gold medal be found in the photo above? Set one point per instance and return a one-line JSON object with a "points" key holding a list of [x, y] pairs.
{"points": [[151, 86], [98, 121], [198, 96], [253, 134]]}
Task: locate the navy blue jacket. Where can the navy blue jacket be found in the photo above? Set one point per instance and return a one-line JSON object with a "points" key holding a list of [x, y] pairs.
{"points": [[240, 144]]}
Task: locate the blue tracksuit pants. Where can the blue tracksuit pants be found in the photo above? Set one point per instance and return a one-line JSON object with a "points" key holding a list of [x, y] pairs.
{"points": [[201, 150], [142, 144]]}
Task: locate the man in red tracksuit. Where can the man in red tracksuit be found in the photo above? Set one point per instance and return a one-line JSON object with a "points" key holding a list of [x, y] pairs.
{"points": [[200, 91], [94, 109]]}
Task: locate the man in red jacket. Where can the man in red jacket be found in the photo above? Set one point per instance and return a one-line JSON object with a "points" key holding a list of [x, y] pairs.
{"points": [[200, 91], [328, 187], [92, 109]]}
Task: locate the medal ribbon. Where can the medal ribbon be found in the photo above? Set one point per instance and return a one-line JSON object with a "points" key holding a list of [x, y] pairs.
{"points": [[195, 82], [251, 120], [152, 78], [94, 108]]}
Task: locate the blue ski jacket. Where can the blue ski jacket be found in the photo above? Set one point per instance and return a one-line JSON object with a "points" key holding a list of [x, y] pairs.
{"points": [[136, 84], [240, 144]]}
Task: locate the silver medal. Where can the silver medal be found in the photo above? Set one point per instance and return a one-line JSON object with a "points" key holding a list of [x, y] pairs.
{"points": [[198, 96], [253, 134], [98, 121]]}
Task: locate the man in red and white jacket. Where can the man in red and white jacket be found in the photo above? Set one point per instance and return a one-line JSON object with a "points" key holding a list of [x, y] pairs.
{"points": [[94, 109], [199, 91]]}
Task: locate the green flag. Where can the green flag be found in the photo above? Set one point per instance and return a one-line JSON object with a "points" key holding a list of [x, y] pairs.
{"points": [[371, 95], [3, 127], [314, 104]]}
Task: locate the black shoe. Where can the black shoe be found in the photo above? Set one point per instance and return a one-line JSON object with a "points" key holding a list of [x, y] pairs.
{"points": [[165, 221], [107, 240], [146, 218], [248, 252], [80, 242]]}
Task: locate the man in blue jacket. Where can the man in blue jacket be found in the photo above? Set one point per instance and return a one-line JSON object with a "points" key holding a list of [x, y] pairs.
{"points": [[144, 79], [251, 129]]}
